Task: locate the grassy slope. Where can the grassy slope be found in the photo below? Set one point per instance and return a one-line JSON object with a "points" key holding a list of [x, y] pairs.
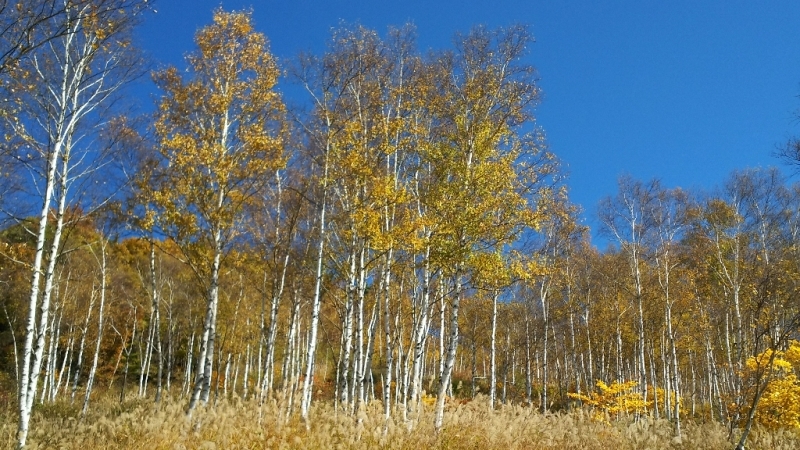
{"points": [[230, 425]]}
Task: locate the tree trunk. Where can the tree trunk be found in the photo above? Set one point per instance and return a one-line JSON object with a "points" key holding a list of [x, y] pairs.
{"points": [[387, 384], [493, 354], [100, 322], [444, 384], [308, 381], [202, 385], [156, 325], [32, 350]]}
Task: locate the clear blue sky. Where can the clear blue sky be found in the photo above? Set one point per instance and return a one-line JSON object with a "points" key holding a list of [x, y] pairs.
{"points": [[685, 91]]}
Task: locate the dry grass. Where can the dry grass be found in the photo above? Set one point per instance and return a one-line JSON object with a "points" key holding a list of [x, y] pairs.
{"points": [[141, 424]]}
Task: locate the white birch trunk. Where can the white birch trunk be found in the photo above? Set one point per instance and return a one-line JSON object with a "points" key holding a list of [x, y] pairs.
{"points": [[128, 351], [227, 374], [170, 339], [528, 372], [493, 354], [277, 295], [248, 357], [451, 355], [202, 385], [589, 348], [287, 369], [155, 344], [347, 333], [308, 381], [50, 367], [100, 323], [82, 346], [544, 291], [64, 364], [420, 332], [188, 370], [70, 87], [365, 373], [387, 384], [27, 373], [361, 352], [144, 364], [31, 355], [14, 342], [269, 367]]}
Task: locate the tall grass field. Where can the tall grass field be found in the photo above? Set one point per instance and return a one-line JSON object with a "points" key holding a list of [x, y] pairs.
{"points": [[238, 424]]}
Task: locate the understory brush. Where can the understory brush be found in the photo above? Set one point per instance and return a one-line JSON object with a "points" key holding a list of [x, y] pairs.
{"points": [[237, 424]]}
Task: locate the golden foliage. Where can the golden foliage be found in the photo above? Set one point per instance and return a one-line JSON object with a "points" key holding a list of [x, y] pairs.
{"points": [[614, 400], [779, 406], [221, 136]]}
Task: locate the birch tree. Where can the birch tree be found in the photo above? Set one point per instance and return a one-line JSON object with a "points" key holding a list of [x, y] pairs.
{"points": [[769, 302], [316, 77], [220, 137], [367, 166], [488, 172], [626, 218], [62, 91], [102, 262], [549, 277], [352, 137], [723, 227], [670, 215]]}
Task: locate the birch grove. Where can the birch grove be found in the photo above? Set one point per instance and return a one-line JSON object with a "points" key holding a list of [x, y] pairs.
{"points": [[403, 236]]}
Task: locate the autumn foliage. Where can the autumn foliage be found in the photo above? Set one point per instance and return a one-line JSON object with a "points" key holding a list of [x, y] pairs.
{"points": [[361, 268], [779, 406], [614, 400]]}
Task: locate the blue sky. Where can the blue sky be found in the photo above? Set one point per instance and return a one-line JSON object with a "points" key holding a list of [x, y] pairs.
{"points": [[684, 91]]}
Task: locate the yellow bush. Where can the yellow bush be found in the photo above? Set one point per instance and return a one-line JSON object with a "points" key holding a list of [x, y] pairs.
{"points": [[779, 406], [615, 399]]}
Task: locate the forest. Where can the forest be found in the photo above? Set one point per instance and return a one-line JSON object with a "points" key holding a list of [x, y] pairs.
{"points": [[392, 249]]}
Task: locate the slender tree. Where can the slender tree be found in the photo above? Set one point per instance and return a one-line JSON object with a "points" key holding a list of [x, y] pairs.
{"points": [[61, 91], [488, 174], [626, 218], [220, 138]]}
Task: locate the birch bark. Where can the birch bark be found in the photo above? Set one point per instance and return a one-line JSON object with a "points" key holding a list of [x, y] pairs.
{"points": [[73, 78]]}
